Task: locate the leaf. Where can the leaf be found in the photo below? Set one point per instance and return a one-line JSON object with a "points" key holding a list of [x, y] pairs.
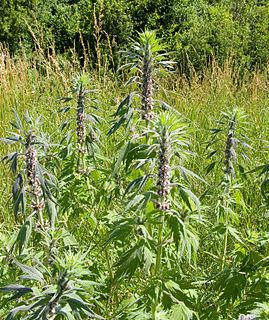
{"points": [[15, 287], [148, 259], [20, 203], [18, 198], [66, 311], [14, 312], [10, 140], [138, 183], [130, 261], [18, 123], [21, 290], [181, 312], [31, 273], [210, 167], [24, 234], [52, 211], [65, 109], [137, 199], [64, 125], [263, 169], [122, 230], [77, 304], [121, 156], [232, 283], [13, 158], [211, 154], [187, 195], [234, 233], [65, 99], [188, 173]]}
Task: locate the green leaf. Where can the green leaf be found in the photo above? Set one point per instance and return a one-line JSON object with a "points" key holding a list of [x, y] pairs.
{"points": [[148, 259], [16, 310], [52, 211], [31, 273], [138, 183], [20, 290], [24, 234], [13, 159], [121, 156], [210, 167], [10, 140], [181, 312], [130, 261], [137, 199], [122, 230], [187, 195]]}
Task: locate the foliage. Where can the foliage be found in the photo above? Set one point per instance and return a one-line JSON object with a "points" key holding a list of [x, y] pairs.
{"points": [[163, 219], [197, 31]]}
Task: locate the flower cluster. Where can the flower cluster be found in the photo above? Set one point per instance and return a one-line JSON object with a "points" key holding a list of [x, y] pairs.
{"points": [[164, 172], [37, 203], [147, 90]]}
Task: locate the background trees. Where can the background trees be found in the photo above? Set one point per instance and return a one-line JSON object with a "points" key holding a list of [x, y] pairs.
{"points": [[197, 31]]}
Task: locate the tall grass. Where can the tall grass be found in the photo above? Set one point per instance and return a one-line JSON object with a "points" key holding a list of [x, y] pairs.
{"points": [[35, 85]]}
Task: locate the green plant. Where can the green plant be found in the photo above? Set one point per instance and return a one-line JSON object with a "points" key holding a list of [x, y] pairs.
{"points": [[32, 180], [146, 59], [160, 210], [54, 290]]}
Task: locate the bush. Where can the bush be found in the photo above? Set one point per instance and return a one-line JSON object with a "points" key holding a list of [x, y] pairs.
{"points": [[196, 30]]}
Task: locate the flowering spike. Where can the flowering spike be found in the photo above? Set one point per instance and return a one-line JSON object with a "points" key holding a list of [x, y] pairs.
{"points": [[164, 171], [37, 203]]}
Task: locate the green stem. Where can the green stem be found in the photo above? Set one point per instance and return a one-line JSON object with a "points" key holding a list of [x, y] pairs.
{"points": [[159, 247], [225, 249], [158, 264], [147, 135], [110, 272], [113, 290], [40, 216]]}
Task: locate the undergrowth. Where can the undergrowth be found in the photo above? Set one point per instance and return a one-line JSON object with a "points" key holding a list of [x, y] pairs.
{"points": [[136, 195]]}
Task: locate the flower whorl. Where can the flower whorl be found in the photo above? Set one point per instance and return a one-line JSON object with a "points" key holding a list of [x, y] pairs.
{"points": [[33, 181], [164, 172], [147, 89], [81, 131]]}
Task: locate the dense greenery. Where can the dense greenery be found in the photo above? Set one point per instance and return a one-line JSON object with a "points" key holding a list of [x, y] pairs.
{"points": [[197, 31], [139, 196]]}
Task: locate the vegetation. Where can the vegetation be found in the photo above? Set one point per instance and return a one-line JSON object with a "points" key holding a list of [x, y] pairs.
{"points": [[197, 31], [141, 194]]}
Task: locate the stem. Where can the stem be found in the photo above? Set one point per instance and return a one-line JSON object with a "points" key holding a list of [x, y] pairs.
{"points": [[113, 293], [158, 264], [226, 205], [159, 247], [147, 126], [225, 250], [108, 264], [40, 213]]}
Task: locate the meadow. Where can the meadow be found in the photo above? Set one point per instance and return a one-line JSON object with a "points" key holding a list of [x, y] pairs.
{"points": [[145, 200]]}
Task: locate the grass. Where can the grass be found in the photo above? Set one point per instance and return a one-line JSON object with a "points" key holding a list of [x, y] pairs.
{"points": [[35, 86]]}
